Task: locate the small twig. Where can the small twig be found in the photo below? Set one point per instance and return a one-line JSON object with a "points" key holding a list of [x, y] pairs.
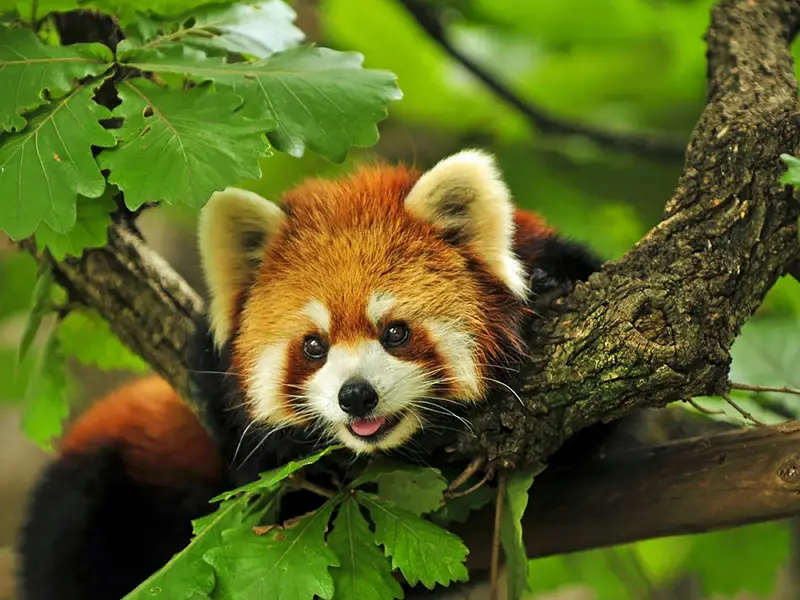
{"points": [[704, 410], [303, 484], [656, 146], [764, 388], [742, 411], [498, 518], [486, 477], [471, 469]]}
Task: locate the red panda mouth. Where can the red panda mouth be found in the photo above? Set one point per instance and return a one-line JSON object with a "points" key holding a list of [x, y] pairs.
{"points": [[371, 428]]}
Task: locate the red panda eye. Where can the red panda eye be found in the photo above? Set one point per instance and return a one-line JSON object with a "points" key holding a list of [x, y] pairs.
{"points": [[395, 335], [314, 347]]}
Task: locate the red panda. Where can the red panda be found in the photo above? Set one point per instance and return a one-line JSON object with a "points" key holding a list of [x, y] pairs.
{"points": [[355, 311]]}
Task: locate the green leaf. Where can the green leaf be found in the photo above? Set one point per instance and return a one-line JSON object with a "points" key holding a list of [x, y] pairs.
{"points": [[321, 99], [40, 306], [364, 573], [460, 509], [753, 556], [46, 166], [187, 576], [18, 272], [29, 68], [181, 145], [284, 563], [515, 502], [90, 230], [46, 396], [257, 30], [269, 479], [423, 552], [417, 489], [792, 174], [87, 336]]}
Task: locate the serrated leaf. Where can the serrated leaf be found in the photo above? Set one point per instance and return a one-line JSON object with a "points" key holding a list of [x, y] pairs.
{"points": [[46, 396], [460, 509], [364, 573], [258, 30], [321, 99], [44, 167], [414, 488], [87, 336], [792, 174], [40, 306], [29, 69], [90, 231], [423, 552], [515, 502], [181, 145], [269, 479], [284, 563], [187, 576]]}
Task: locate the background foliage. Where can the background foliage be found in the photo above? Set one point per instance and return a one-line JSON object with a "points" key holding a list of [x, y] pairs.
{"points": [[627, 65]]}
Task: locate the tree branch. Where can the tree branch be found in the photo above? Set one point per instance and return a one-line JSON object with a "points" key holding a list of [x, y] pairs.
{"points": [[684, 487], [654, 327], [651, 145]]}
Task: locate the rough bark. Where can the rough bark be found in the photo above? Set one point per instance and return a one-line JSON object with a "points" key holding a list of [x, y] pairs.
{"points": [[688, 486], [654, 327], [657, 325]]}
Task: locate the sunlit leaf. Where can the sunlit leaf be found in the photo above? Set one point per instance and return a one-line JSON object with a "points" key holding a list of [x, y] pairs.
{"points": [[257, 30], [88, 337], [46, 398], [29, 68], [364, 572], [46, 166], [181, 145], [321, 99], [284, 563], [423, 552], [90, 231], [414, 488], [515, 502]]}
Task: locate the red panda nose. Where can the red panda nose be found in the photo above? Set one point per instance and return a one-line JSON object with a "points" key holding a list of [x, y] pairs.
{"points": [[357, 397]]}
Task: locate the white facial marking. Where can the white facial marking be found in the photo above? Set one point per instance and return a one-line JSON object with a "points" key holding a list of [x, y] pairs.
{"points": [[264, 389], [319, 315], [398, 383], [457, 347], [378, 305]]}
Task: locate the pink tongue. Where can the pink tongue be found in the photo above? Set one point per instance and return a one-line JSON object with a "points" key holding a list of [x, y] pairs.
{"points": [[367, 427]]}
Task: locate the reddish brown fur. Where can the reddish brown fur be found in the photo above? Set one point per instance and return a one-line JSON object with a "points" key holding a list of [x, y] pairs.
{"points": [[346, 239], [160, 438]]}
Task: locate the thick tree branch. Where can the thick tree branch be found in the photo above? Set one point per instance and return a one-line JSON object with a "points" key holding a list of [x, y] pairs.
{"points": [[657, 325], [651, 145], [689, 486], [654, 327]]}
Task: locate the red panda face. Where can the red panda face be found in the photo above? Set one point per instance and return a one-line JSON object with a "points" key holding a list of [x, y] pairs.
{"points": [[363, 305]]}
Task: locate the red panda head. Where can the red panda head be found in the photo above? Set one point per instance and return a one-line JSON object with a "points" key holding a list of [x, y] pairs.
{"points": [[359, 305]]}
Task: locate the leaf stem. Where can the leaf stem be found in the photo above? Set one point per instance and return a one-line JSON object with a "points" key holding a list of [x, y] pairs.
{"points": [[303, 484], [498, 519], [471, 469], [764, 388], [742, 411]]}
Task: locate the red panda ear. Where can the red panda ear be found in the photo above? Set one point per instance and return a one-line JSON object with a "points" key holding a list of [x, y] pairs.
{"points": [[235, 226], [464, 195]]}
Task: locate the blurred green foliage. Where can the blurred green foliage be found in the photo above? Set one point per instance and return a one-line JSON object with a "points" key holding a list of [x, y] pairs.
{"points": [[627, 65]]}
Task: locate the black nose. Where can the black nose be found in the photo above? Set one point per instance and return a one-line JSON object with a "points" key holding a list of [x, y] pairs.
{"points": [[357, 397]]}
